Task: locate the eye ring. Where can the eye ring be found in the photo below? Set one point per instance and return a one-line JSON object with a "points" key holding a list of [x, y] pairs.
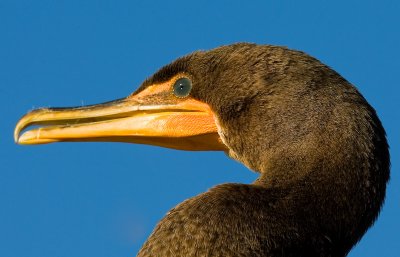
{"points": [[182, 87]]}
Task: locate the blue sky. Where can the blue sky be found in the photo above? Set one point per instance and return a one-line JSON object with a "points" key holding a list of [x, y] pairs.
{"points": [[103, 199]]}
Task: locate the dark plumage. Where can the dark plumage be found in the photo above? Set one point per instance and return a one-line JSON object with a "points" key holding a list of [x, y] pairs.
{"points": [[318, 145]]}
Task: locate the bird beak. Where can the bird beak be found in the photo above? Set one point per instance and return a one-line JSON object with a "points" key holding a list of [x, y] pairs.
{"points": [[153, 116]]}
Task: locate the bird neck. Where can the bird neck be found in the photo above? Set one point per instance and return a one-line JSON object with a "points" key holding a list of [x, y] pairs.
{"points": [[337, 195]]}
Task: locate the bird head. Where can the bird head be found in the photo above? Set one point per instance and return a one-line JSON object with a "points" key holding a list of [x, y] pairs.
{"points": [[276, 110]]}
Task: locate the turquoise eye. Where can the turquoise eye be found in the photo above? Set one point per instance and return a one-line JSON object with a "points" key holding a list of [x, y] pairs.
{"points": [[182, 87]]}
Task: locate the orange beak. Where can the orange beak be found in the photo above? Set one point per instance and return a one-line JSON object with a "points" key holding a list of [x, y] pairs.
{"points": [[153, 116]]}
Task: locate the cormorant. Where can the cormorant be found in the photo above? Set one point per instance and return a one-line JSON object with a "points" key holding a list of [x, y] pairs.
{"points": [[317, 144]]}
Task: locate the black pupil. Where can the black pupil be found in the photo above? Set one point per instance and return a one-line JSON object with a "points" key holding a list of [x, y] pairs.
{"points": [[182, 87]]}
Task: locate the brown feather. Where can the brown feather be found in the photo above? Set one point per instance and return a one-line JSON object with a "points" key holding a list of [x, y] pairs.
{"points": [[319, 147]]}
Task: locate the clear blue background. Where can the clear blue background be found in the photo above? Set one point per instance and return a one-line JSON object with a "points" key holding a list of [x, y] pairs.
{"points": [[103, 199]]}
